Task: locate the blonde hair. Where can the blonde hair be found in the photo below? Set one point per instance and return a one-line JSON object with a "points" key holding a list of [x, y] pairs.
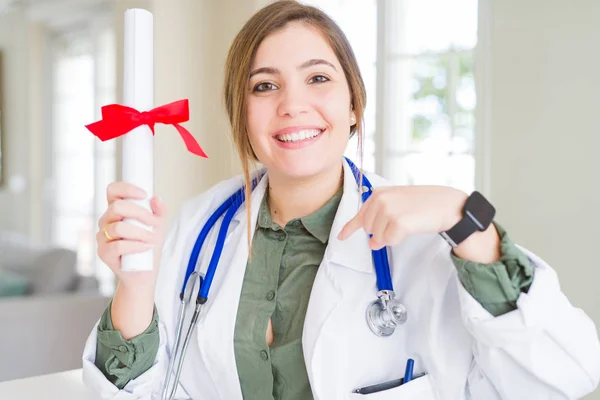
{"points": [[266, 21]]}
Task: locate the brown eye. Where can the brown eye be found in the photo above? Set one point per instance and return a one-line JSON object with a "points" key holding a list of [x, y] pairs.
{"points": [[264, 87], [318, 79]]}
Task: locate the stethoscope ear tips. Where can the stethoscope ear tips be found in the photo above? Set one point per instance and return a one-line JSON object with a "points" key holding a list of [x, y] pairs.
{"points": [[385, 313]]}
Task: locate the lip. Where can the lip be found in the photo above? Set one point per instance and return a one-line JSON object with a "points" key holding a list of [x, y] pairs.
{"points": [[293, 129]]}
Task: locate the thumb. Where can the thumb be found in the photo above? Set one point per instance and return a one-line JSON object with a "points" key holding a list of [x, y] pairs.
{"points": [[159, 208]]}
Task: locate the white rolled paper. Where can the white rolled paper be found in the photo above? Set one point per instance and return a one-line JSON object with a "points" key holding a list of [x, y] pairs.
{"points": [[138, 146]]}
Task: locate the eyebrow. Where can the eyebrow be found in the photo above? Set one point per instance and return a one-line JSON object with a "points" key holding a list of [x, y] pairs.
{"points": [[305, 64]]}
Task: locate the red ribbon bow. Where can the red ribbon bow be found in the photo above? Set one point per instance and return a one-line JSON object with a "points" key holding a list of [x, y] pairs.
{"points": [[117, 120]]}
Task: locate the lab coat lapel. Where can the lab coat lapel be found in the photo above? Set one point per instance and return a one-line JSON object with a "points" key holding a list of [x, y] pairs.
{"points": [[329, 289], [217, 322]]}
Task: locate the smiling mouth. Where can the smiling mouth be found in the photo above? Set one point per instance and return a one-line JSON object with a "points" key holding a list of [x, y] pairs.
{"points": [[299, 136]]}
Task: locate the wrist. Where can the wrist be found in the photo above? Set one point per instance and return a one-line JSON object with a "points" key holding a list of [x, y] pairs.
{"points": [[454, 214], [468, 227], [137, 290], [132, 310], [481, 247]]}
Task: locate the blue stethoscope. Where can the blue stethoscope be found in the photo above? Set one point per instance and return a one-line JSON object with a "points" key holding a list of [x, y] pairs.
{"points": [[383, 314]]}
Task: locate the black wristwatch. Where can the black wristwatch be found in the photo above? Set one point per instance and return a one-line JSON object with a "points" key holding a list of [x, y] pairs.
{"points": [[478, 214]]}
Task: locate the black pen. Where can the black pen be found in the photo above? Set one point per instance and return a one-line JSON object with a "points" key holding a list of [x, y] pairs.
{"points": [[384, 386]]}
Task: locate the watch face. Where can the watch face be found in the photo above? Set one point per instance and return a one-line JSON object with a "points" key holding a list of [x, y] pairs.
{"points": [[480, 210]]}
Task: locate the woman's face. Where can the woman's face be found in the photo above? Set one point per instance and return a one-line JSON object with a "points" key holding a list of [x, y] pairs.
{"points": [[298, 103]]}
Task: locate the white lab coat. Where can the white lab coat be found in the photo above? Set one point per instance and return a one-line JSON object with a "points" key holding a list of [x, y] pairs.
{"points": [[546, 349]]}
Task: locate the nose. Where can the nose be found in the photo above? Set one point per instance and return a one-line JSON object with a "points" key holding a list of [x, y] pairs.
{"points": [[293, 102]]}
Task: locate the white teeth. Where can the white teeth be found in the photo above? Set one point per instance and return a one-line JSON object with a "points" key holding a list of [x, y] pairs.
{"points": [[298, 136]]}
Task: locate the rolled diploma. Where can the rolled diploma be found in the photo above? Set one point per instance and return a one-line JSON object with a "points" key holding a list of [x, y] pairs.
{"points": [[138, 146]]}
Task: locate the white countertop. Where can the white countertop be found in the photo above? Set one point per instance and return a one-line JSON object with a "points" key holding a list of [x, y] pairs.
{"points": [[63, 385]]}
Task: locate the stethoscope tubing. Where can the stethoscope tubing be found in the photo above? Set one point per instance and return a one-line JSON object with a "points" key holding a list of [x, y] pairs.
{"points": [[380, 257], [229, 208], [210, 223]]}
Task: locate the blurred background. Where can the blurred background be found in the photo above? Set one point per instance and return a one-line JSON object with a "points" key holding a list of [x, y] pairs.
{"points": [[498, 96]]}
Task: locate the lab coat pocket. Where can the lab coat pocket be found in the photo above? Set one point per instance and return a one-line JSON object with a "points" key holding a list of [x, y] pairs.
{"points": [[417, 389]]}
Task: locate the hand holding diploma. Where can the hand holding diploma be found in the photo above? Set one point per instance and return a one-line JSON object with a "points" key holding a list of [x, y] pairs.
{"points": [[135, 121]]}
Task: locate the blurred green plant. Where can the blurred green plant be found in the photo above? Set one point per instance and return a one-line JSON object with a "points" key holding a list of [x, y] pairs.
{"points": [[430, 82]]}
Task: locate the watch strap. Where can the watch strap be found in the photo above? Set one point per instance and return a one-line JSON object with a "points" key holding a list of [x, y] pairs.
{"points": [[459, 232]]}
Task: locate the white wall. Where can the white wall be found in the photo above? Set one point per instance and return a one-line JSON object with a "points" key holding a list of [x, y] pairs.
{"points": [[545, 138], [38, 129], [22, 47], [14, 40]]}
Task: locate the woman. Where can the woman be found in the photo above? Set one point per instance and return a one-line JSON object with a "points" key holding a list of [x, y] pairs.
{"points": [[486, 320]]}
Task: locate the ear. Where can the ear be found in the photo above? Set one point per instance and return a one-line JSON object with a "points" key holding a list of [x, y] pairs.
{"points": [[352, 118]]}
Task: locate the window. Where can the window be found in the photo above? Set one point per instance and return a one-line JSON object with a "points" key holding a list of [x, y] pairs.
{"points": [[426, 120], [417, 61], [83, 79]]}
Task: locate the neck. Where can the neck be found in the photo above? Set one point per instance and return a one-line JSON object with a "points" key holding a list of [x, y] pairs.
{"points": [[290, 199]]}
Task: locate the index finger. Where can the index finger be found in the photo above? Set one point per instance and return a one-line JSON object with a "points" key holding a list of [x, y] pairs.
{"points": [[351, 226], [123, 190]]}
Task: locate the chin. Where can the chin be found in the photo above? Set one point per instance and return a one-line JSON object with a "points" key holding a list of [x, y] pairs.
{"points": [[302, 168]]}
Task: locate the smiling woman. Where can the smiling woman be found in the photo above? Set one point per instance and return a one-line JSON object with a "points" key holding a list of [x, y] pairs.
{"points": [[295, 110]]}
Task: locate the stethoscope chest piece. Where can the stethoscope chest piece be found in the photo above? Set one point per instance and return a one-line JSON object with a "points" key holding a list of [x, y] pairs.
{"points": [[385, 313]]}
